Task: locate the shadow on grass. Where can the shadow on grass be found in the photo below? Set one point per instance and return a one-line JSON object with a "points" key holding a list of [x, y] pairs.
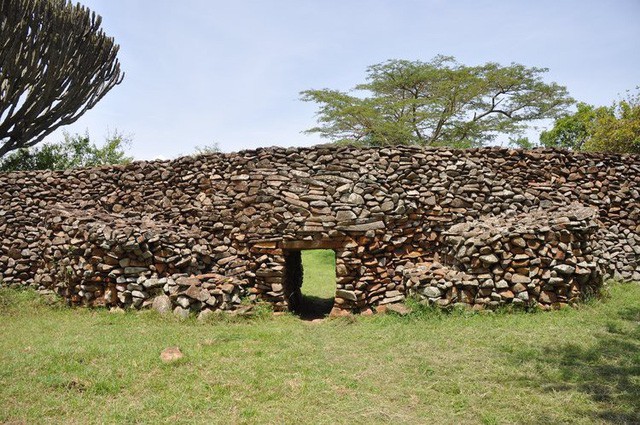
{"points": [[311, 308], [608, 371]]}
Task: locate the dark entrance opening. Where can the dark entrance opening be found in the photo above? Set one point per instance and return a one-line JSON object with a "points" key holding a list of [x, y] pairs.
{"points": [[310, 281]]}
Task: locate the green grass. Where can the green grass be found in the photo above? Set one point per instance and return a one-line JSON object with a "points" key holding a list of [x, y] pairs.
{"points": [[319, 279], [61, 365]]}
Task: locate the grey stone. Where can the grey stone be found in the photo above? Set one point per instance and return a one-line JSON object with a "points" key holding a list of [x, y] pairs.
{"points": [[489, 259], [139, 294], [345, 215], [556, 281], [565, 269], [387, 206], [205, 314], [162, 304], [362, 227], [183, 301], [152, 283], [347, 295], [518, 278], [135, 270], [181, 313], [502, 284], [432, 292], [355, 199]]}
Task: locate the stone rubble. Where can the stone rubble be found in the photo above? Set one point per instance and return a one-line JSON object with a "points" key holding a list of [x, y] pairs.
{"points": [[538, 259]]}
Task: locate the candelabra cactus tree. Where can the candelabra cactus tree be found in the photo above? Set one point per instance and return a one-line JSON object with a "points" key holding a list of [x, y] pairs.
{"points": [[55, 64]]}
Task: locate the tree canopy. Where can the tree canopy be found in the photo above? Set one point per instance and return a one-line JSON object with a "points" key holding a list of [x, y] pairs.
{"points": [[440, 102], [55, 64], [73, 152], [615, 128]]}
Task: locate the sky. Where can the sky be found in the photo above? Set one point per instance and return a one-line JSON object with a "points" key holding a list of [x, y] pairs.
{"points": [[199, 72]]}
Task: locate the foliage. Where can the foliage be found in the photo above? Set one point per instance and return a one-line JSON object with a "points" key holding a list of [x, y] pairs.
{"points": [[440, 102], [618, 131], [603, 129], [55, 64], [572, 131], [521, 143], [74, 152], [206, 149]]}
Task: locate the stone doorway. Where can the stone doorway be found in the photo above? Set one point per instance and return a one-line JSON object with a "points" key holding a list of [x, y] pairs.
{"points": [[310, 281]]}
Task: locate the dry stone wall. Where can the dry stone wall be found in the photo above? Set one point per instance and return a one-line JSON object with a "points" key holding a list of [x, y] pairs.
{"points": [[541, 258], [232, 225]]}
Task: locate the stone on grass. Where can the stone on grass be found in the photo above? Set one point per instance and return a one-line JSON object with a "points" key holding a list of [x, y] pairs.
{"points": [[171, 354], [399, 308]]}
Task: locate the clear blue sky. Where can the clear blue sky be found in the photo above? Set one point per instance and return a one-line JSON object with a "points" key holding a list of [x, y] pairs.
{"points": [[199, 71]]}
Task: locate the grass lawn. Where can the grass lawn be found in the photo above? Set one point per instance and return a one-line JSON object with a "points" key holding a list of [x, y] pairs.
{"points": [[60, 365], [319, 278]]}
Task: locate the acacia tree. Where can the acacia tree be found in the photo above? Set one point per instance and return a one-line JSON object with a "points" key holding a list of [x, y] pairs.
{"points": [[440, 102], [55, 64]]}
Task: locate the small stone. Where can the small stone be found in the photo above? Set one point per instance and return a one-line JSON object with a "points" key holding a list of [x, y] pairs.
{"points": [[519, 287], [362, 227], [399, 308], [183, 301], [489, 259], [135, 270], [518, 278], [547, 297], [339, 312], [431, 292], [205, 314], [507, 295], [565, 269], [162, 304], [355, 199], [386, 206], [139, 294], [502, 284], [171, 354], [347, 295], [519, 242], [345, 215], [152, 283], [556, 281], [197, 293], [181, 313], [227, 288], [187, 281]]}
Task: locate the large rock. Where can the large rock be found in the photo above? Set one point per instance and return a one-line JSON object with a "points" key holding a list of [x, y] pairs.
{"points": [[162, 304]]}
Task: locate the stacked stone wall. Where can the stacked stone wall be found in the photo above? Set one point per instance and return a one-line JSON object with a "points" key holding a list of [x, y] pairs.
{"points": [[243, 216], [542, 259]]}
